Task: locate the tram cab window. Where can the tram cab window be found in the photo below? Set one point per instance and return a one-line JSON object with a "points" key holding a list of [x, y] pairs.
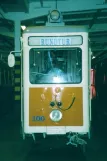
{"points": [[50, 66]]}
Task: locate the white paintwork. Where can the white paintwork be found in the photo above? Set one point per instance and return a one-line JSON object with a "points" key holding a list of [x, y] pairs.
{"points": [[84, 84]]}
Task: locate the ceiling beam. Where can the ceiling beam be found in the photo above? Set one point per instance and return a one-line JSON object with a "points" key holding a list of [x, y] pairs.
{"points": [[24, 3], [17, 6], [98, 28], [96, 49], [41, 2], [7, 24], [99, 39], [4, 52], [7, 33], [78, 19], [5, 39], [94, 18]]}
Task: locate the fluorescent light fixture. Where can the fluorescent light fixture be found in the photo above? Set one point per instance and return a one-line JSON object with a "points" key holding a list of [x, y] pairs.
{"points": [[23, 27], [93, 57]]}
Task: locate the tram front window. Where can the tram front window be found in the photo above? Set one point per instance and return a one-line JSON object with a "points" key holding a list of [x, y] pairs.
{"points": [[52, 66]]}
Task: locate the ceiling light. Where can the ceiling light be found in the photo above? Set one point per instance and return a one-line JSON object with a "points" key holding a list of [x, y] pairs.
{"points": [[23, 27], [93, 57]]}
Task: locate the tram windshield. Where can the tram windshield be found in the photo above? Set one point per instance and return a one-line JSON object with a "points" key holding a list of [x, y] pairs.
{"points": [[53, 66]]}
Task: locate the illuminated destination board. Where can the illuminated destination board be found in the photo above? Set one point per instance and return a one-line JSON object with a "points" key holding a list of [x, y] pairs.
{"points": [[55, 41]]}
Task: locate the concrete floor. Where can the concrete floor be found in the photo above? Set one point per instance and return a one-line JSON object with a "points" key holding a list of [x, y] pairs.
{"points": [[13, 148]]}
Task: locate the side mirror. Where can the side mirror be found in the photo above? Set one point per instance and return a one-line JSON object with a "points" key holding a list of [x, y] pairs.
{"points": [[11, 60]]}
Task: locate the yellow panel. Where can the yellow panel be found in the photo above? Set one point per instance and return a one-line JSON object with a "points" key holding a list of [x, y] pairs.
{"points": [[17, 62], [39, 105], [17, 97], [17, 89], [17, 71], [17, 80]]}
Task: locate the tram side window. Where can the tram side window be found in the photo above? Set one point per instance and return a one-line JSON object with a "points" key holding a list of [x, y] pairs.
{"points": [[55, 66]]}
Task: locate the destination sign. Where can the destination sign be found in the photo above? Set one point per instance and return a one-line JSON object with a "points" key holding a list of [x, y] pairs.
{"points": [[55, 41]]}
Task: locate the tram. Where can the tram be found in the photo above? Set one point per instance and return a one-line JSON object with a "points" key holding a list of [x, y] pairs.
{"points": [[55, 89]]}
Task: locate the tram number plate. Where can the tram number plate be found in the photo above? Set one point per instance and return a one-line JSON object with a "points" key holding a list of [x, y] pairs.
{"points": [[38, 118]]}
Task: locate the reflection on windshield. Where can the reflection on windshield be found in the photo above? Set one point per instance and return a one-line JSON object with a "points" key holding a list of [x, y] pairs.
{"points": [[55, 66]]}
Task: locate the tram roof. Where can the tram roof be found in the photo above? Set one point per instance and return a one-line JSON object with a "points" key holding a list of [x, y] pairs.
{"points": [[56, 29]]}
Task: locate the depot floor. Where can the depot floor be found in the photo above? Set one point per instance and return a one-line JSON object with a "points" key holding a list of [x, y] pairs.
{"points": [[13, 148]]}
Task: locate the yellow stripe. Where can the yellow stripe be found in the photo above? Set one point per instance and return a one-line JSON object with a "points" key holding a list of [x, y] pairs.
{"points": [[17, 71], [17, 80], [17, 63], [17, 97], [17, 89]]}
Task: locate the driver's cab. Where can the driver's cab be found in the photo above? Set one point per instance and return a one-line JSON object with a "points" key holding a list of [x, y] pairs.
{"points": [[55, 65]]}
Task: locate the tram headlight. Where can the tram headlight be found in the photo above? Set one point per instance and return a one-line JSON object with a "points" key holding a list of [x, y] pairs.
{"points": [[56, 115], [55, 15]]}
